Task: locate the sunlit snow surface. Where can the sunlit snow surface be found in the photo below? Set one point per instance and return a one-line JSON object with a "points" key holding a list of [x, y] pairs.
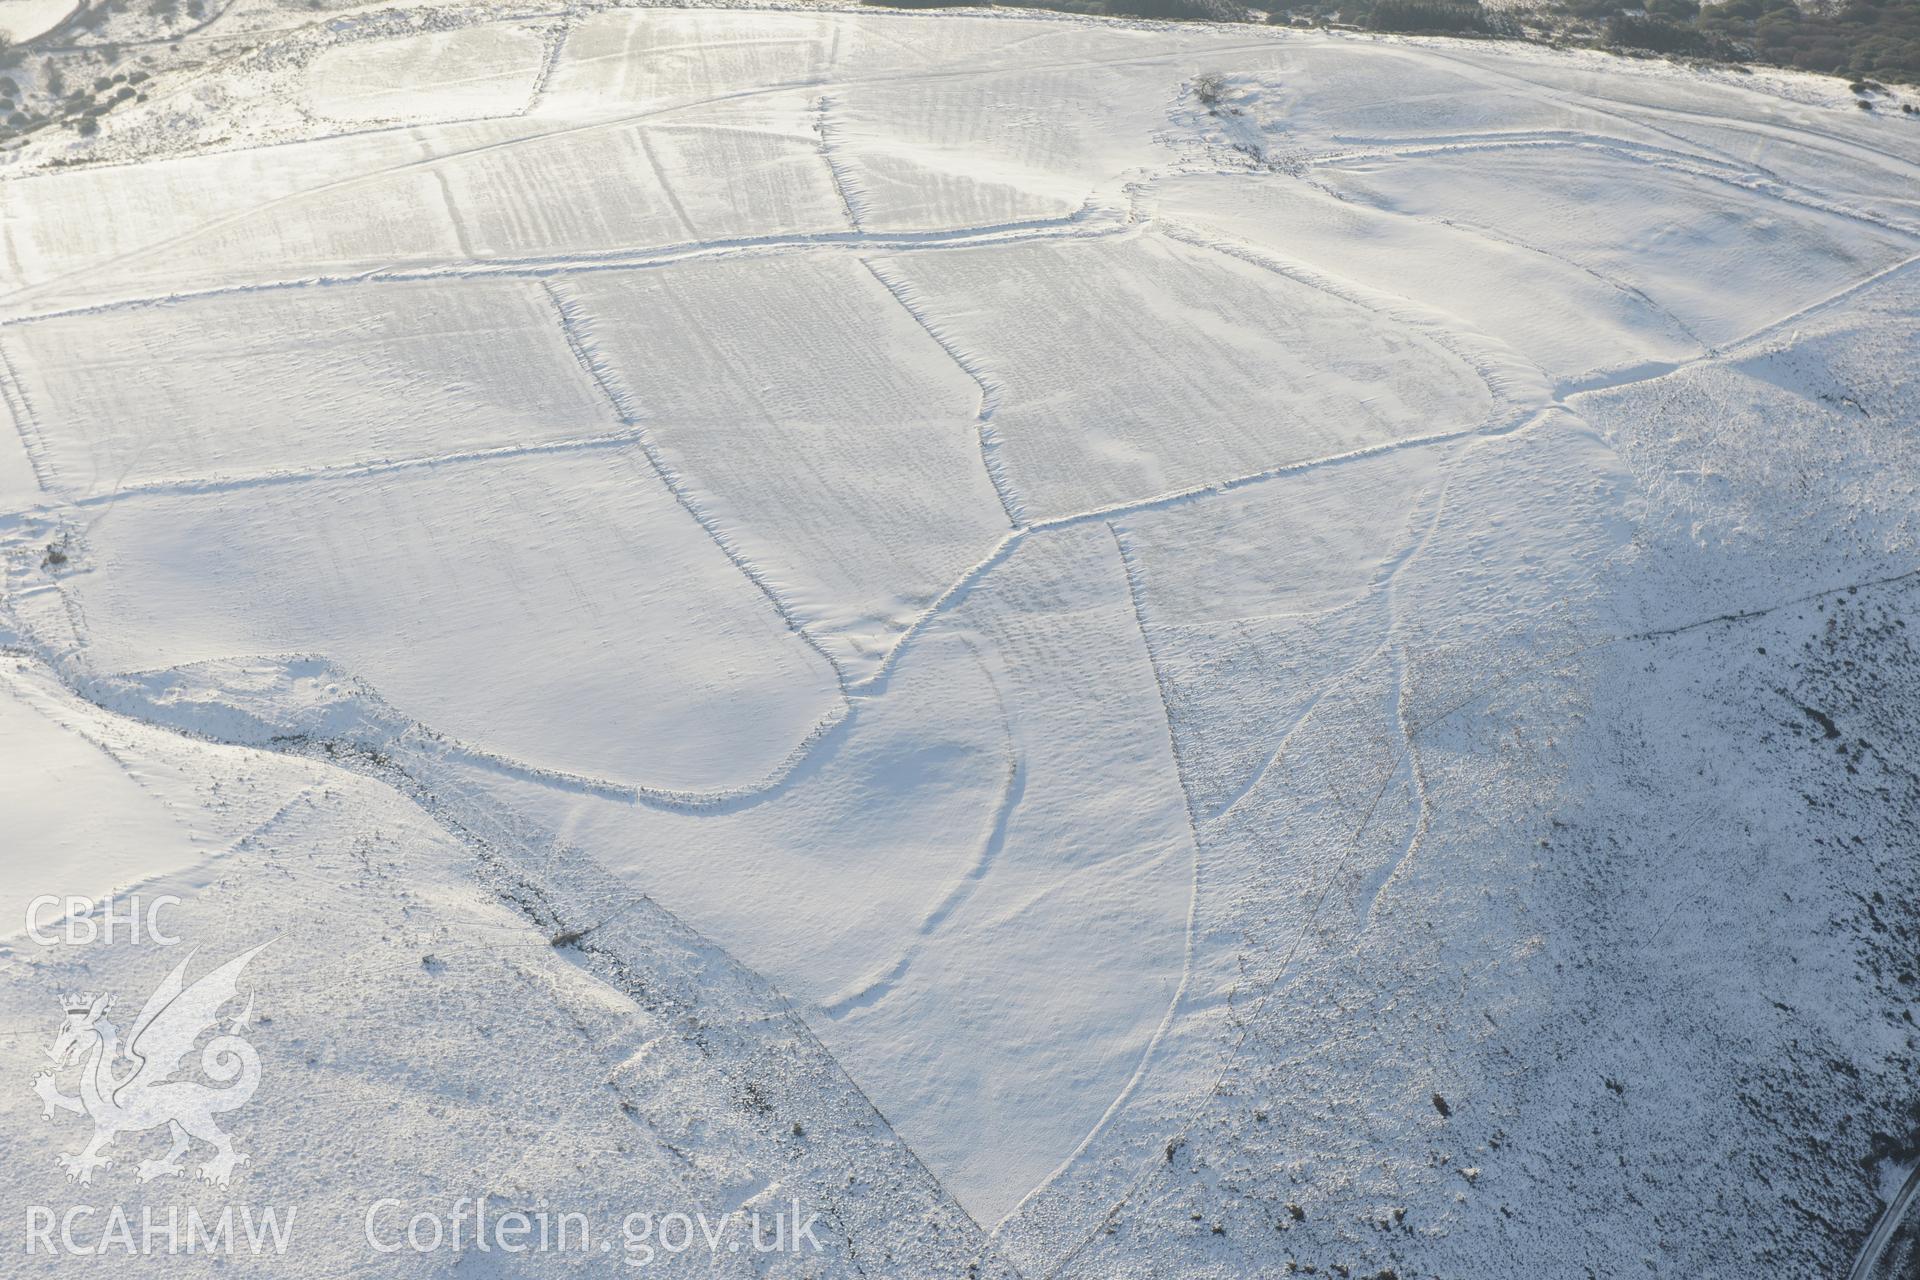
{"points": [[1081, 655]]}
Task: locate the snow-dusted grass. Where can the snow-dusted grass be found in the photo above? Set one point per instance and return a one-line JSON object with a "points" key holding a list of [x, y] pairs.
{"points": [[446, 75], [1400, 93], [907, 886], [1796, 448], [702, 347], [127, 833], [724, 173], [995, 149], [769, 386], [1101, 399], [208, 221], [1566, 320], [221, 389], [1720, 259], [500, 630], [646, 61], [416, 1027]]}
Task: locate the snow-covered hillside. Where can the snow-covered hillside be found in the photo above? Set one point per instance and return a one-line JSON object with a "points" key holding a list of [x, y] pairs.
{"points": [[1087, 649]]}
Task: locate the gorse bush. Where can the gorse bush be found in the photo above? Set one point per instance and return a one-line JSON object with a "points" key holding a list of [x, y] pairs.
{"points": [[1631, 31], [1416, 16], [1845, 37], [1855, 38], [1195, 10], [1168, 10]]}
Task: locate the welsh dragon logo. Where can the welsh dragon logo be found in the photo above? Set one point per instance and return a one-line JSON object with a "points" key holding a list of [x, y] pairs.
{"points": [[132, 1088]]}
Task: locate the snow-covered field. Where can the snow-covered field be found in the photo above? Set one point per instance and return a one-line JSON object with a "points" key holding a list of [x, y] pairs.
{"points": [[1061, 647], [24, 19]]}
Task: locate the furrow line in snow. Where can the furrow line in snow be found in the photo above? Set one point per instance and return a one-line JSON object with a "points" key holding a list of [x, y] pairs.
{"points": [[1414, 144], [873, 989], [955, 592], [1267, 986], [1618, 286], [1819, 305], [1300, 722], [1517, 385], [13, 393], [968, 579], [1076, 225], [556, 45], [666, 187], [573, 328], [357, 470], [1632, 114], [1545, 140], [1136, 599], [1407, 766], [455, 223], [996, 467], [1389, 582], [725, 800], [1180, 497], [144, 883], [1011, 793], [846, 184], [625, 120], [1265, 989], [1692, 166], [1380, 589], [1653, 371], [539, 891], [173, 700]]}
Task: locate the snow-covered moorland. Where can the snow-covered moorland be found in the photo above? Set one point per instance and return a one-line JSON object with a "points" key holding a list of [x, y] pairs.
{"points": [[1056, 647]]}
